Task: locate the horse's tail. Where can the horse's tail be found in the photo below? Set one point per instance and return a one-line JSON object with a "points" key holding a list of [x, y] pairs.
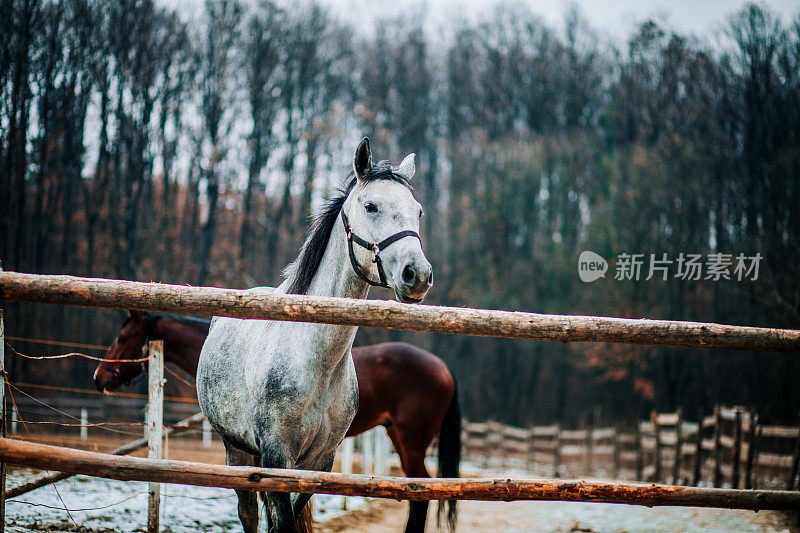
{"points": [[450, 454], [304, 523]]}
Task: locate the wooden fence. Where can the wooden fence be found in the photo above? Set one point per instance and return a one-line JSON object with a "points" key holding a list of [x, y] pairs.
{"points": [[567, 446], [726, 449], [266, 479], [211, 301]]}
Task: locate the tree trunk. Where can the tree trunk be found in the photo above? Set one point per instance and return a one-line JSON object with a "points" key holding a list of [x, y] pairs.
{"points": [[209, 227], [257, 162], [308, 181]]}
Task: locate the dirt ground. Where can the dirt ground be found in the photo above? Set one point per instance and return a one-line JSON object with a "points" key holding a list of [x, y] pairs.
{"points": [[387, 516]]}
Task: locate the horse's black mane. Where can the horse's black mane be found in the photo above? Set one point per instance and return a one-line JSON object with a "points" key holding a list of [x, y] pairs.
{"points": [[305, 267]]}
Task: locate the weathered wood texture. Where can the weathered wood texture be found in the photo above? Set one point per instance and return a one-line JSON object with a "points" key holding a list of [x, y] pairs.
{"points": [[154, 427], [69, 290], [133, 468]]}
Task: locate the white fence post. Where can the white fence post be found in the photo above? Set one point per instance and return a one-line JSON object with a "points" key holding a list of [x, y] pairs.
{"points": [[382, 446], [206, 433], [154, 427], [84, 424], [348, 446], [367, 450]]}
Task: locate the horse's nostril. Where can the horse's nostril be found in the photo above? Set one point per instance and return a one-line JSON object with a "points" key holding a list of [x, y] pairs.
{"points": [[430, 278], [409, 275]]}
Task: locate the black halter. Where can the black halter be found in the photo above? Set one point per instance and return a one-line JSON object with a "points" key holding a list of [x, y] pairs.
{"points": [[375, 247]]}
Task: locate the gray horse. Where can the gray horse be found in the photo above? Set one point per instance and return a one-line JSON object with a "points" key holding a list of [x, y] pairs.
{"points": [[286, 392]]}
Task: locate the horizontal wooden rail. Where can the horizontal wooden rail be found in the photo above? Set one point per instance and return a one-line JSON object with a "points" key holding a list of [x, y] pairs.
{"points": [[69, 290], [164, 471], [48, 479]]}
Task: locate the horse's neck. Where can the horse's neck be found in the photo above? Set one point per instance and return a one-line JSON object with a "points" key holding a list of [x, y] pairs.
{"points": [[335, 277], [182, 344]]}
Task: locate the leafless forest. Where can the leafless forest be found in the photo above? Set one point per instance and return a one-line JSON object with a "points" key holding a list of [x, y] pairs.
{"points": [[141, 143]]}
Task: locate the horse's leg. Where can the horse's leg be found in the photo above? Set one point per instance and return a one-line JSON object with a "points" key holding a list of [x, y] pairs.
{"points": [[280, 518], [323, 464], [248, 502], [305, 520], [412, 460]]}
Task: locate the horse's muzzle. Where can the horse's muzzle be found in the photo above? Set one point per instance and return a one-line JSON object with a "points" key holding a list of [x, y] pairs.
{"points": [[415, 281]]}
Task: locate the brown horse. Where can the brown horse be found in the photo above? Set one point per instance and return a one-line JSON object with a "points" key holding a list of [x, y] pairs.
{"points": [[406, 389]]}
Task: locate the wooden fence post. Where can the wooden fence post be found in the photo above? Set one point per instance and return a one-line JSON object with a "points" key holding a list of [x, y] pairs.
{"points": [[676, 464], [615, 453], [752, 449], [383, 447], [698, 450], [485, 446], [717, 447], [529, 456], [795, 464], [347, 462], [84, 423], [206, 433], [368, 452], [737, 449], [502, 446], [639, 453], [557, 451], [494, 440], [589, 449], [154, 427], [2, 420], [657, 476]]}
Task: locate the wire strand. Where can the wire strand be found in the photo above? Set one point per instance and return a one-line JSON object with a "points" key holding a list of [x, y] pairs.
{"points": [[179, 378], [27, 429], [36, 504], [102, 425], [60, 343], [178, 399], [77, 354], [91, 425]]}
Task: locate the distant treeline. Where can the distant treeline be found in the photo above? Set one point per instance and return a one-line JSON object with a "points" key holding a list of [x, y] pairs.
{"points": [[141, 143]]}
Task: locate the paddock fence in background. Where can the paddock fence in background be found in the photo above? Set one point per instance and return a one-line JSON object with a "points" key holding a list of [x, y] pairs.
{"points": [[729, 448]]}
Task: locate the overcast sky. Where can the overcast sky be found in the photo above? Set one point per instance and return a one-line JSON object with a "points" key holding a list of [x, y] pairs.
{"points": [[615, 17]]}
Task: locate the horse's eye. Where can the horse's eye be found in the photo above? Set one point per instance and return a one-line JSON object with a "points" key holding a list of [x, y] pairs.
{"points": [[121, 339], [370, 207]]}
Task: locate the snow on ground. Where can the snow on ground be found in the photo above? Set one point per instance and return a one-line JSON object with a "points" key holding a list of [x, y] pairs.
{"points": [[556, 517], [122, 506], [553, 517]]}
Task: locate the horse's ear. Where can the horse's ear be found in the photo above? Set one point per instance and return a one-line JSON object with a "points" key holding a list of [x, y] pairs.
{"points": [[135, 315], [362, 160], [407, 167]]}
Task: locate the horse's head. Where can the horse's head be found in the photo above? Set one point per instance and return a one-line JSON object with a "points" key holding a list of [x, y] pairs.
{"points": [[381, 218], [128, 344]]}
